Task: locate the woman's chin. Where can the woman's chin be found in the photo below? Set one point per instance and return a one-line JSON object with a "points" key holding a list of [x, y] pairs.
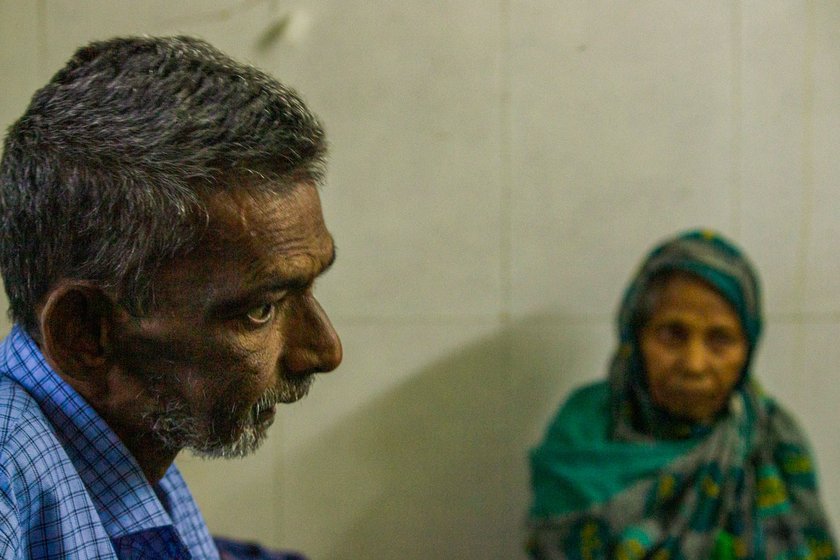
{"points": [[697, 407]]}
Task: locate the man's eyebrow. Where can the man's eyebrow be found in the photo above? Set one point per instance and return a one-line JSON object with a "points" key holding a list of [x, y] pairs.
{"points": [[236, 302], [292, 281]]}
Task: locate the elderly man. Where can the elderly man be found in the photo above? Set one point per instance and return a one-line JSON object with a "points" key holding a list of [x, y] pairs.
{"points": [[160, 233]]}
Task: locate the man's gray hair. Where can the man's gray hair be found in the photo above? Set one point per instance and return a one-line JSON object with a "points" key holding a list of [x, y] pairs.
{"points": [[102, 179]]}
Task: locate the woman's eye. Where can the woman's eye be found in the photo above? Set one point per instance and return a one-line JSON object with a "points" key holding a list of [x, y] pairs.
{"points": [[722, 339], [262, 314], [671, 334]]}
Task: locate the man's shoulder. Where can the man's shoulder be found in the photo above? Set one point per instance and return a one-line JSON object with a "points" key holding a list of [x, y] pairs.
{"points": [[41, 492], [28, 443], [17, 408], [17, 412], [32, 459]]}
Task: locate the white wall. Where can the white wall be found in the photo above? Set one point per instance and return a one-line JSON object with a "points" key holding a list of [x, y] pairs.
{"points": [[498, 169]]}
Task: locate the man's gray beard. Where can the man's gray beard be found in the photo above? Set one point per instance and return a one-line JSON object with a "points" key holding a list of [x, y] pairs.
{"points": [[176, 428]]}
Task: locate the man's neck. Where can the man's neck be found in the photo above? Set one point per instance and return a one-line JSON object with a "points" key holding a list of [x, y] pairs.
{"points": [[151, 455], [154, 459]]}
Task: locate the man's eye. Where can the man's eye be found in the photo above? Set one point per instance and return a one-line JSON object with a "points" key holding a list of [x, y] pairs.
{"points": [[262, 314]]}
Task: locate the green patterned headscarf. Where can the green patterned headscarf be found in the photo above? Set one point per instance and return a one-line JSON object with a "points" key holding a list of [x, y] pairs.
{"points": [[618, 478], [720, 264]]}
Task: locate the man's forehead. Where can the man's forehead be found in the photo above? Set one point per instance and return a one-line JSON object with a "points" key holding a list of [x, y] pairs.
{"points": [[237, 210], [254, 239], [287, 223]]}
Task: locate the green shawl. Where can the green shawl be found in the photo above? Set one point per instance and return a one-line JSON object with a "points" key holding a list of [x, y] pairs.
{"points": [[616, 477]]}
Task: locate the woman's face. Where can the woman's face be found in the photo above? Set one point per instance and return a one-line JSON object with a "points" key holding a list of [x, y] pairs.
{"points": [[694, 349]]}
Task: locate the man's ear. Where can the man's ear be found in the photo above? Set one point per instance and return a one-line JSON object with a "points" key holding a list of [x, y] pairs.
{"points": [[75, 325]]}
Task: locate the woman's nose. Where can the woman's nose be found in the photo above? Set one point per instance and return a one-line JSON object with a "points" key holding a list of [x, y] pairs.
{"points": [[695, 356], [312, 345]]}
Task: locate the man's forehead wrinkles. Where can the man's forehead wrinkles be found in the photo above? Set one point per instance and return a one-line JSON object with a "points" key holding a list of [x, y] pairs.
{"points": [[286, 269], [301, 267]]}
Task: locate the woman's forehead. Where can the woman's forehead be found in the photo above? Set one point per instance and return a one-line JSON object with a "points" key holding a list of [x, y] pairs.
{"points": [[685, 293]]}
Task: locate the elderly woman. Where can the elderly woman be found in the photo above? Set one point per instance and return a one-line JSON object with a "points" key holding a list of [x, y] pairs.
{"points": [[678, 454]]}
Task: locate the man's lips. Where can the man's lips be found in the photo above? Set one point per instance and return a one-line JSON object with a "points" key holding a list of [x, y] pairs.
{"points": [[263, 413]]}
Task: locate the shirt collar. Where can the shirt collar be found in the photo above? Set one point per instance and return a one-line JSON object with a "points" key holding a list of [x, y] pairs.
{"points": [[125, 500]]}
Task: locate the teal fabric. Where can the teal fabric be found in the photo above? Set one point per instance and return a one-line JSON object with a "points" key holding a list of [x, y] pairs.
{"points": [[577, 438], [616, 477]]}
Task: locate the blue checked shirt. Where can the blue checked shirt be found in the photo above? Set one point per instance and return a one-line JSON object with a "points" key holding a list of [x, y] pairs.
{"points": [[69, 488]]}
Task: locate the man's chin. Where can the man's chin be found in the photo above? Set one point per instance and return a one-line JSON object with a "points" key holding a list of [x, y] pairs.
{"points": [[250, 431], [249, 440], [240, 441]]}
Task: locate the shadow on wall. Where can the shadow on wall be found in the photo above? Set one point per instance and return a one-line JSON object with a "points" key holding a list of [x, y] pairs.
{"points": [[437, 468]]}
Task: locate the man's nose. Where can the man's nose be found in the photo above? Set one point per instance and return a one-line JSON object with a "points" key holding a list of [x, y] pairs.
{"points": [[312, 345]]}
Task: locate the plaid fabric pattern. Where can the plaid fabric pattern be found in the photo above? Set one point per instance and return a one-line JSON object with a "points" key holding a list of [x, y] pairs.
{"points": [[69, 488]]}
